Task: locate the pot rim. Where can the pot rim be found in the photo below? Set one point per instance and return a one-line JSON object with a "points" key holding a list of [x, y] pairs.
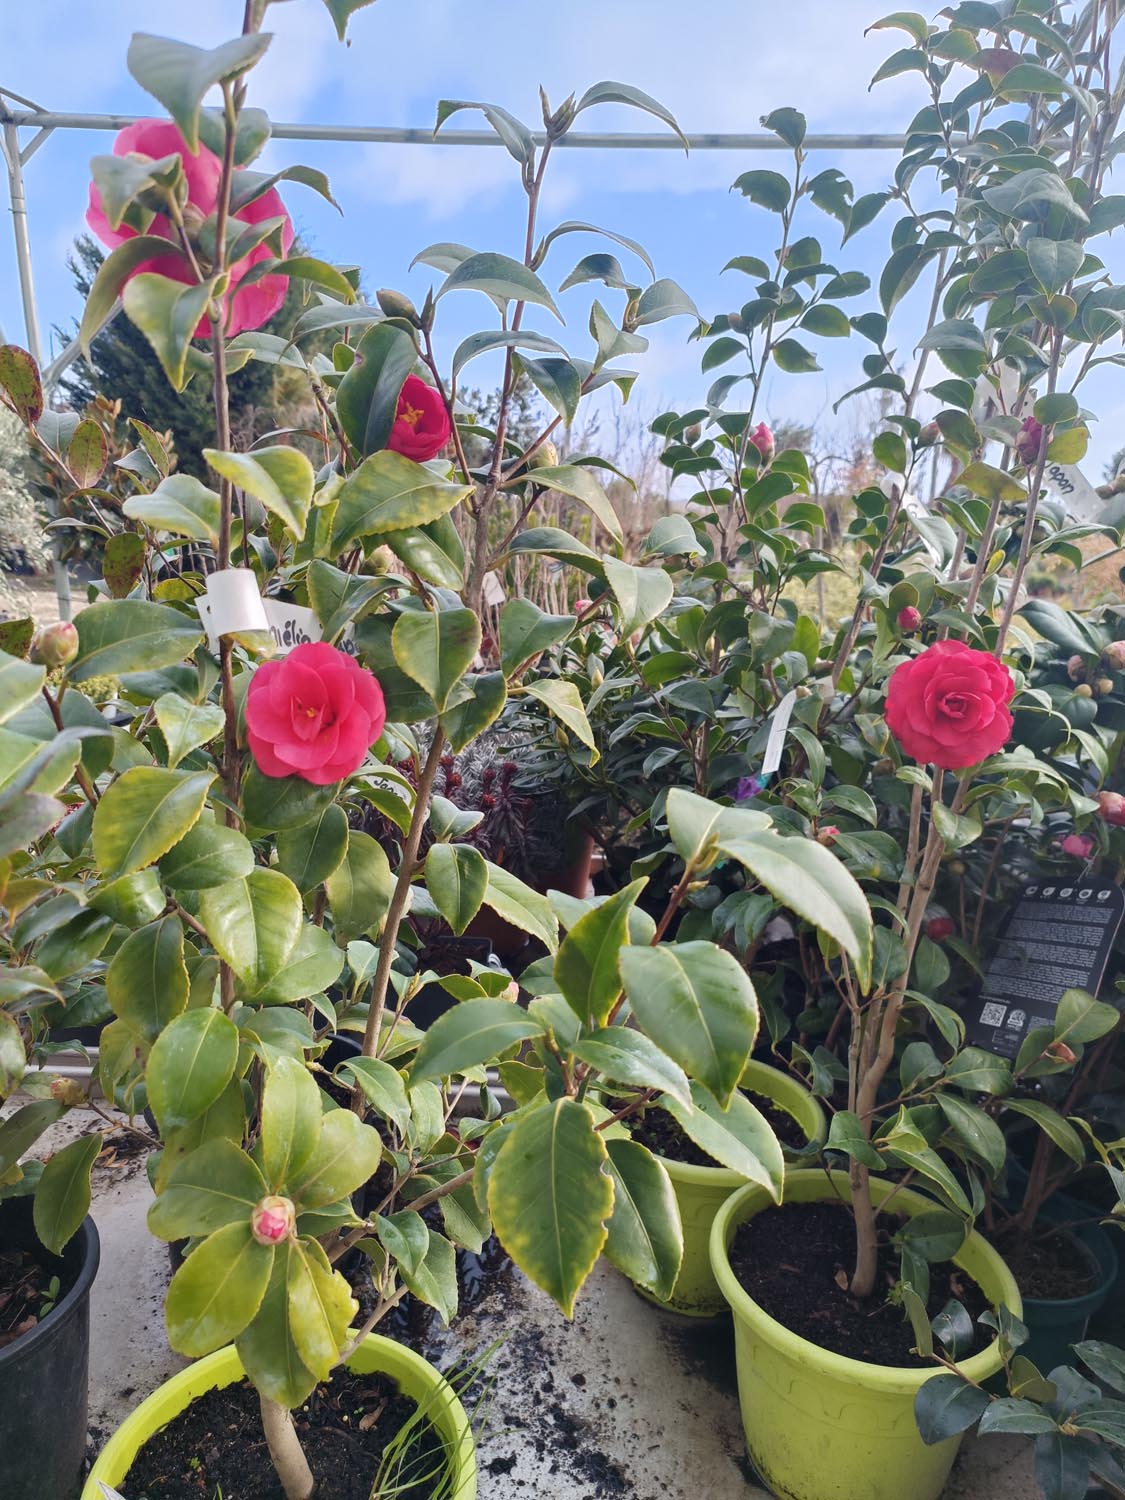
{"points": [[209, 1373], [720, 1177], [1106, 1265], [87, 1231], [897, 1379]]}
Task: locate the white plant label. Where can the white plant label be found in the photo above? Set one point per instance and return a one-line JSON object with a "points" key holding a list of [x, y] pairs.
{"points": [[232, 605], [1081, 499], [292, 625], [779, 724]]}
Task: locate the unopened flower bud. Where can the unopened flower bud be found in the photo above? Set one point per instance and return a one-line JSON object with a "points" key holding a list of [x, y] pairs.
{"points": [[1103, 686], [511, 992], [382, 560], [1112, 808], [67, 1092], [1083, 690], [693, 433], [546, 456], [909, 619], [956, 867], [1076, 668], [929, 435], [1114, 655], [1029, 443], [827, 833], [397, 305], [762, 438], [939, 928], [1060, 1052], [55, 645], [273, 1220]]}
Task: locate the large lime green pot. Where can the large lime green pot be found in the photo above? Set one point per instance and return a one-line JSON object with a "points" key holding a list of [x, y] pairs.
{"points": [[376, 1355], [702, 1191], [820, 1426]]}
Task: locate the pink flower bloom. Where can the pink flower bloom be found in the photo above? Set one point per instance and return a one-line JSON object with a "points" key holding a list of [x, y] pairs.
{"points": [[313, 714], [949, 706], [1078, 845], [245, 307], [762, 438], [273, 1220], [421, 427], [1112, 805]]}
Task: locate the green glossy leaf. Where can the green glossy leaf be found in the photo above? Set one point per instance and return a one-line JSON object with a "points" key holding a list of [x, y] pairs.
{"points": [[179, 75], [525, 631], [456, 878], [209, 855], [768, 189], [215, 1185], [811, 881], [587, 964], [947, 1405], [388, 493], [550, 1197], [696, 1002], [131, 635], [146, 983], [320, 1305], [314, 850], [435, 648], [21, 683], [472, 1033], [367, 398], [144, 813], [579, 482], [275, 803], [343, 1159], [217, 1290], [181, 506], [266, 1346], [738, 1136], [1060, 1130], [434, 1280], [186, 726], [645, 1239], [23, 1127], [359, 889], [190, 1065], [313, 965], [167, 312], [627, 1056], [524, 908], [253, 923], [501, 277], [564, 701], [280, 478], [62, 1199], [291, 1120], [465, 720]]}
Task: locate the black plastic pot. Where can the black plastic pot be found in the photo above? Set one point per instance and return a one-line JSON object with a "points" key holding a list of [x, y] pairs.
{"points": [[1057, 1323], [44, 1374]]}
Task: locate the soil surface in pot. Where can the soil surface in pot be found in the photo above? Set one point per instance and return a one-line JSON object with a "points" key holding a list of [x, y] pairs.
{"points": [[29, 1288], [1052, 1267], [666, 1137], [215, 1446], [795, 1261]]}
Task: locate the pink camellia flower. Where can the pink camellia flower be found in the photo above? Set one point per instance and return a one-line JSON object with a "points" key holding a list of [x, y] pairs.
{"points": [[1029, 443], [909, 619], [421, 427], [245, 307], [1078, 845], [313, 714], [762, 438], [273, 1220], [1112, 806], [1114, 654], [949, 706], [939, 928]]}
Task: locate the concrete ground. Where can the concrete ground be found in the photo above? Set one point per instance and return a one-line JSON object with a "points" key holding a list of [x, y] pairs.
{"points": [[625, 1403]]}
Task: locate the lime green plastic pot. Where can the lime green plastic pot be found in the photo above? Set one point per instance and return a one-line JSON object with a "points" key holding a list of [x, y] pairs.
{"points": [[376, 1355], [820, 1426], [701, 1192]]}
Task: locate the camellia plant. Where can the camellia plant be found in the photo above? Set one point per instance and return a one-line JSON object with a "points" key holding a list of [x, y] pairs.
{"points": [[181, 851]]}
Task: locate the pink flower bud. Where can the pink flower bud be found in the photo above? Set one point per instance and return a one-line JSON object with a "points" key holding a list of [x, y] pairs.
{"points": [[55, 645], [1029, 443], [939, 928], [1076, 668], [1114, 655], [1112, 805], [929, 435], [273, 1220], [827, 833], [909, 619], [762, 438], [1078, 845]]}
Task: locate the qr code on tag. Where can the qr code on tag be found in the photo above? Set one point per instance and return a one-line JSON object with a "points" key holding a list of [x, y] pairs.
{"points": [[993, 1015]]}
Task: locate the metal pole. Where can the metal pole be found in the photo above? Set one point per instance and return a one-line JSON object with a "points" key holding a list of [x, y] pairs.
{"points": [[18, 202]]}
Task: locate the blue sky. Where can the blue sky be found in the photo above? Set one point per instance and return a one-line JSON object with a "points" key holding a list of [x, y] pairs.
{"points": [[718, 64]]}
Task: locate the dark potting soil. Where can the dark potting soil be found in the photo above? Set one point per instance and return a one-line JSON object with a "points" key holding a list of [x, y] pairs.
{"points": [[1048, 1266], [29, 1288], [666, 1137], [795, 1261], [216, 1447]]}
